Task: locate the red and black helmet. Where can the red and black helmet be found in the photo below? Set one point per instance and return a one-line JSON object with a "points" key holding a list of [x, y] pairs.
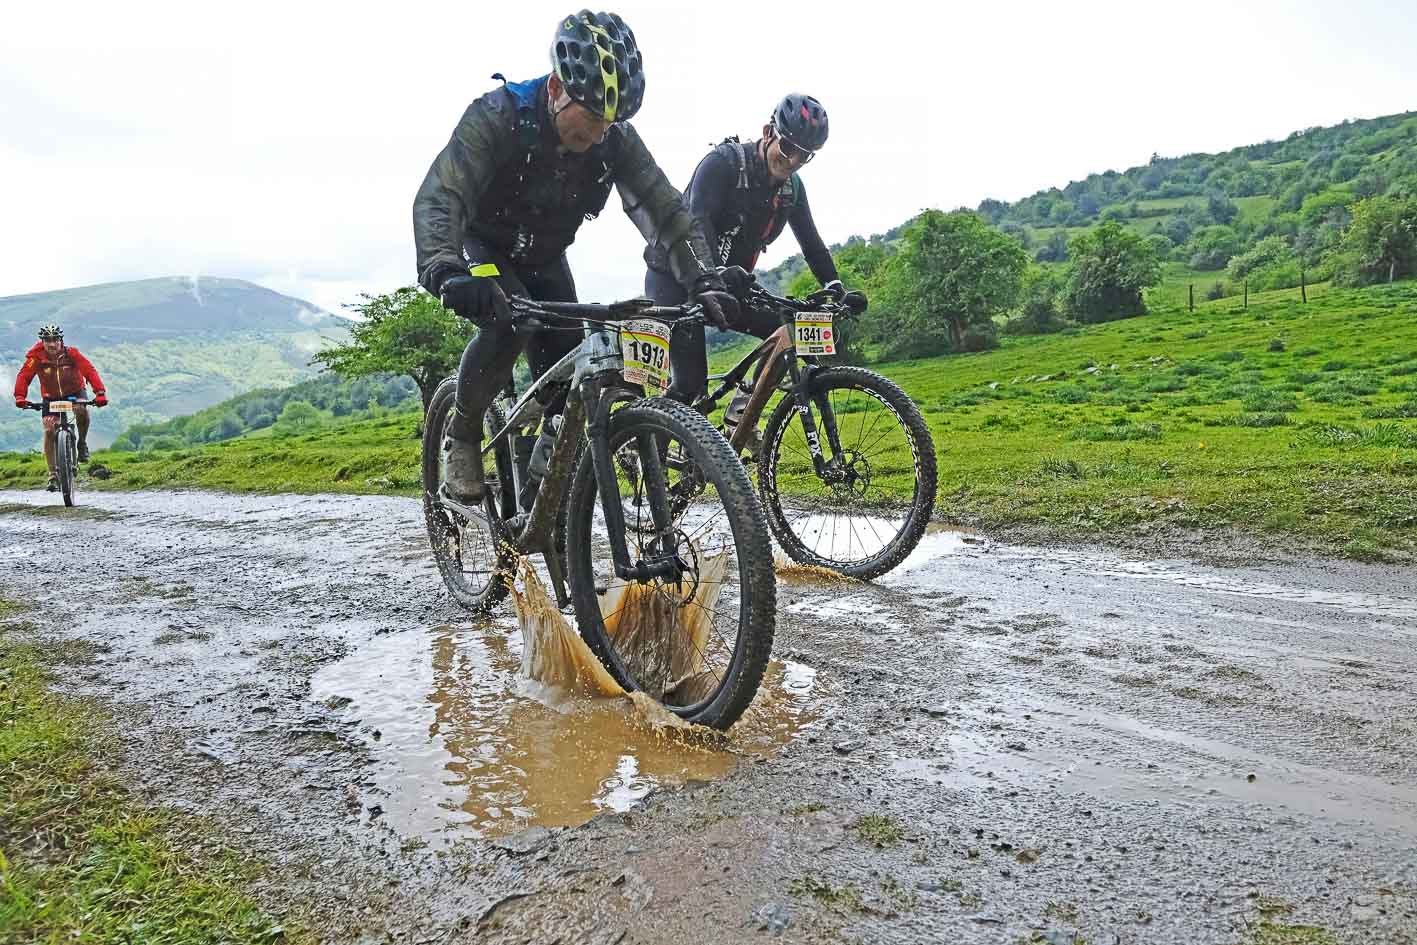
{"points": [[802, 120]]}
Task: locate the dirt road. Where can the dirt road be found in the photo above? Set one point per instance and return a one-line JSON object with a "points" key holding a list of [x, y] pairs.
{"points": [[995, 743]]}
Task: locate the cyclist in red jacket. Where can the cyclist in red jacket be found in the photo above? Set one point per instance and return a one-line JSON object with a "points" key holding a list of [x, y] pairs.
{"points": [[62, 371]]}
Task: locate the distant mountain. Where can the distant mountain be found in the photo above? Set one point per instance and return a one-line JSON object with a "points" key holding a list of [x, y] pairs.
{"points": [[166, 347]]}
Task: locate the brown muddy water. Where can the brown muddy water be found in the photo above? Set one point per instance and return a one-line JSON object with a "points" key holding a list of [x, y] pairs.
{"points": [[481, 730]]}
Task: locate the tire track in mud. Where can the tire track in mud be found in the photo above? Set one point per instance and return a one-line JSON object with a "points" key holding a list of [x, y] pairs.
{"points": [[1061, 739]]}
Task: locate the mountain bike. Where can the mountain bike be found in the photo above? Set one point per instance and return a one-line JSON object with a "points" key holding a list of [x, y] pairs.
{"points": [[597, 496], [66, 441], [850, 485]]}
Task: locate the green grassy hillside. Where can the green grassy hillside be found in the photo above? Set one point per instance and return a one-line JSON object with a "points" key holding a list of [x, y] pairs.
{"points": [[1300, 189], [1285, 418]]}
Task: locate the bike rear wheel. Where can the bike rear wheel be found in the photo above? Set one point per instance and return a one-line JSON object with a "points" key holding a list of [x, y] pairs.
{"points": [[65, 458], [474, 563], [698, 646], [871, 510]]}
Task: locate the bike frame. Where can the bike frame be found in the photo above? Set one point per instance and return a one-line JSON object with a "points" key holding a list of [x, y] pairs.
{"points": [[592, 373], [777, 359], [66, 429]]}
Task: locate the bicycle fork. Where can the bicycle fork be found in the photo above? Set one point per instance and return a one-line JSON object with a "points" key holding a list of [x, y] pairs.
{"points": [[828, 470], [651, 479]]}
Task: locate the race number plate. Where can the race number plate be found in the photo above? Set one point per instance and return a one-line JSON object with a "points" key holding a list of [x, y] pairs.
{"points": [[645, 345], [60, 406], [815, 335]]}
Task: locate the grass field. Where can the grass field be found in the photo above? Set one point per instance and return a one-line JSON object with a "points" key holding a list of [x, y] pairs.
{"points": [[1282, 419], [82, 860]]}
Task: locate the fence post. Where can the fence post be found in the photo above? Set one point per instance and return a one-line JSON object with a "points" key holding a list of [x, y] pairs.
{"points": [[1303, 289], [1246, 304], [1191, 306]]}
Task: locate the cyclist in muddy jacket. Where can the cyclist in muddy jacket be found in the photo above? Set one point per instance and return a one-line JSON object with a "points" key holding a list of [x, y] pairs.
{"points": [[62, 371], [745, 194], [526, 166]]}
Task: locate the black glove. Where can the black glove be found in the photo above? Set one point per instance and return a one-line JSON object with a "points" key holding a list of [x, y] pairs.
{"points": [[835, 290], [720, 307], [854, 301], [737, 279], [477, 298]]}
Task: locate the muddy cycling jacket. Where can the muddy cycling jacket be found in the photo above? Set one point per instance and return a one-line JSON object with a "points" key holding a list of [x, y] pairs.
{"points": [[62, 377], [742, 210], [504, 181]]}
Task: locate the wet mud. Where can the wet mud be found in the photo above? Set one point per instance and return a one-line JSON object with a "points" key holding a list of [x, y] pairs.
{"points": [[994, 743]]}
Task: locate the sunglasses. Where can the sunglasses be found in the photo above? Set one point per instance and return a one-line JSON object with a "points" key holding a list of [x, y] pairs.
{"points": [[794, 152]]}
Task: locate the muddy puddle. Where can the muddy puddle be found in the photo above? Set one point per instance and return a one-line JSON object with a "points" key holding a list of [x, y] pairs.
{"points": [[840, 538], [1239, 582], [465, 745], [1008, 748]]}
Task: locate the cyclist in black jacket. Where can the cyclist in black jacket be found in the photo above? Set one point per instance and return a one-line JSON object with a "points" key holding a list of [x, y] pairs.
{"points": [[527, 165], [744, 194]]}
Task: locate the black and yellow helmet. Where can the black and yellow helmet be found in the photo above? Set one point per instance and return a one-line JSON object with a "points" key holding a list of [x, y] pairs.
{"points": [[51, 333], [597, 59]]}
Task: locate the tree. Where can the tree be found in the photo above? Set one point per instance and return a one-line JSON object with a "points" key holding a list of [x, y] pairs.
{"points": [[1381, 242], [298, 417], [953, 274], [223, 427], [992, 210], [403, 332], [1038, 309], [1221, 208], [1054, 249], [1212, 246], [1178, 230], [1267, 252], [1110, 268]]}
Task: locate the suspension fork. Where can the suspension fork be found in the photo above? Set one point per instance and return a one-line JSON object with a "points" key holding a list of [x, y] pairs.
{"points": [[600, 398], [802, 401], [802, 376]]}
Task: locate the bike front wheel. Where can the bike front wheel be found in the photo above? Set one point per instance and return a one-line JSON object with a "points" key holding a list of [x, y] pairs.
{"points": [[65, 459], [869, 508], [698, 644]]}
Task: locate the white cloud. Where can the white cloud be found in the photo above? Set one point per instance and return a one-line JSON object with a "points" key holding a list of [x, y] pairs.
{"points": [[283, 143]]}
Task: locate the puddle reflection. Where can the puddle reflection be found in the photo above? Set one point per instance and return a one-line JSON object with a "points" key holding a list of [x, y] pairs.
{"points": [[466, 747]]}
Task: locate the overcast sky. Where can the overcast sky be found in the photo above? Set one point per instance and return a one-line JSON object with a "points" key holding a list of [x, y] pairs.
{"points": [[283, 142]]}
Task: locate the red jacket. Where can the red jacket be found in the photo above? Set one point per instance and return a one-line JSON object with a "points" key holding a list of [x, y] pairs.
{"points": [[63, 377]]}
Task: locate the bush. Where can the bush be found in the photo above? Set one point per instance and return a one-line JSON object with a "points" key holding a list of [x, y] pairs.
{"points": [[1381, 242], [1110, 268], [1263, 401], [1038, 315], [1120, 431]]}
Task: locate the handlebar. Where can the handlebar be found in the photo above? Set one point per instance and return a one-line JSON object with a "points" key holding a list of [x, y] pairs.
{"points": [[605, 313], [749, 292], [45, 403]]}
